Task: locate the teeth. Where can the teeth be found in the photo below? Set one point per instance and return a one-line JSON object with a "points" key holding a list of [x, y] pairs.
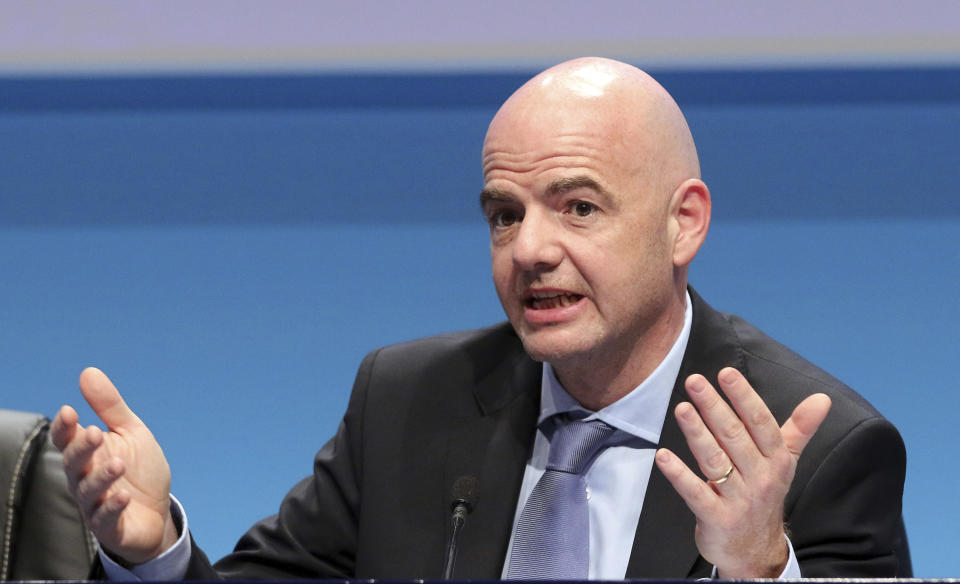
{"points": [[548, 300]]}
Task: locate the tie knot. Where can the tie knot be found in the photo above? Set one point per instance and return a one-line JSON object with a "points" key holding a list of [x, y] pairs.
{"points": [[575, 443]]}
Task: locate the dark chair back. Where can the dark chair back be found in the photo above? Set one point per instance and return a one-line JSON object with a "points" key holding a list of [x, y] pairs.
{"points": [[42, 535]]}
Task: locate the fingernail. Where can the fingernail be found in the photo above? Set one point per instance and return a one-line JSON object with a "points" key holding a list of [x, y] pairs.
{"points": [[695, 384], [728, 375]]}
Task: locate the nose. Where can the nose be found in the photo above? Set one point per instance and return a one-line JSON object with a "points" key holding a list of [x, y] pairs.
{"points": [[537, 246]]}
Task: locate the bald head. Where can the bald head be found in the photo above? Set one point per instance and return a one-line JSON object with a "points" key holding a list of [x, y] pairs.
{"points": [[642, 122], [596, 209]]}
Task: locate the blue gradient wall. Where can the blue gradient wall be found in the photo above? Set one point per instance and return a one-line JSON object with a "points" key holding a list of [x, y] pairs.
{"points": [[228, 249]]}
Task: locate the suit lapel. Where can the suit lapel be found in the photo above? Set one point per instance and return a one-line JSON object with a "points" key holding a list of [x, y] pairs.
{"points": [[664, 545], [502, 432]]}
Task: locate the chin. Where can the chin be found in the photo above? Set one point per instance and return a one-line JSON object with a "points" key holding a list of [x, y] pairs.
{"points": [[553, 346]]}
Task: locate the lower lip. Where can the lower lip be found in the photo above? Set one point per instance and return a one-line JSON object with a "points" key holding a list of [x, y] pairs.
{"points": [[554, 315]]}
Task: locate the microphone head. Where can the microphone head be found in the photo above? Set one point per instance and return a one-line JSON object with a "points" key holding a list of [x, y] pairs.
{"points": [[465, 491]]}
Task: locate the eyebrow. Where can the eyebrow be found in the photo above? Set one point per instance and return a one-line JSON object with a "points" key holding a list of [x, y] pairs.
{"points": [[564, 185], [491, 195], [555, 188]]}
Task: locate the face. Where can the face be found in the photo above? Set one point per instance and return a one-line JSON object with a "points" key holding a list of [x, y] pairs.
{"points": [[580, 234]]}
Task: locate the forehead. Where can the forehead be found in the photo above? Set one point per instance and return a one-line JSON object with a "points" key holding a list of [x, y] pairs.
{"points": [[548, 144]]}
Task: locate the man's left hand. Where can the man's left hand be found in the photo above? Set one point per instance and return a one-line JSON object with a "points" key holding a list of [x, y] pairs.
{"points": [[749, 462]]}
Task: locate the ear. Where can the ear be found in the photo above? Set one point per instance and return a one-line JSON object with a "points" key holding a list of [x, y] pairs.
{"points": [[690, 214]]}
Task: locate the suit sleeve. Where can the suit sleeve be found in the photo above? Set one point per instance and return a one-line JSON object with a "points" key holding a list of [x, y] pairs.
{"points": [[314, 534], [846, 518]]}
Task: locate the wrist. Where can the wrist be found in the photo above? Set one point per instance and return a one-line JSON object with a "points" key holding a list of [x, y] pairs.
{"points": [[770, 565], [171, 533]]}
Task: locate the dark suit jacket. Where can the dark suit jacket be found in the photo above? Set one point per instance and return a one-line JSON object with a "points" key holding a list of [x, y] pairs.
{"points": [[424, 413]]}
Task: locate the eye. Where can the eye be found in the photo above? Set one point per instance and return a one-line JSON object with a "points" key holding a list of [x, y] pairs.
{"points": [[503, 218], [582, 208]]}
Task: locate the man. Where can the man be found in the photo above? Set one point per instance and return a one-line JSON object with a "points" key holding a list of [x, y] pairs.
{"points": [[596, 209]]}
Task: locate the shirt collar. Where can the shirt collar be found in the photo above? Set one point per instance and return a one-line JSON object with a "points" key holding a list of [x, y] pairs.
{"points": [[639, 413]]}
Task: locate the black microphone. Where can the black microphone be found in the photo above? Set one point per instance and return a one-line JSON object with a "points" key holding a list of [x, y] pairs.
{"points": [[464, 497]]}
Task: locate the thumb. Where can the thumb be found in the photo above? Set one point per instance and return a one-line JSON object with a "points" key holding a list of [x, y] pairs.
{"points": [[804, 422], [105, 400]]}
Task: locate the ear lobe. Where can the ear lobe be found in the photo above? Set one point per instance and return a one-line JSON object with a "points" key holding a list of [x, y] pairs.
{"points": [[690, 209]]}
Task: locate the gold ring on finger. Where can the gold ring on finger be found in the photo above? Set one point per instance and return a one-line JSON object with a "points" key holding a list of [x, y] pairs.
{"points": [[722, 479]]}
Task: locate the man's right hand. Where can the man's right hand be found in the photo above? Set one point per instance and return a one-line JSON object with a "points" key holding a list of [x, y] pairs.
{"points": [[119, 477]]}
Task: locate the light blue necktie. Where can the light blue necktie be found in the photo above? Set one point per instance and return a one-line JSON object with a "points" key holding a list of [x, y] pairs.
{"points": [[552, 539]]}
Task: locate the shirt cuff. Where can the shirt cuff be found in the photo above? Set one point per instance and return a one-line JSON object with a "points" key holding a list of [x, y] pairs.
{"points": [[170, 565], [790, 572]]}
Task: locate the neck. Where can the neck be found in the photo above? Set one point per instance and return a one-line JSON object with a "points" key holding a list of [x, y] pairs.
{"points": [[600, 378]]}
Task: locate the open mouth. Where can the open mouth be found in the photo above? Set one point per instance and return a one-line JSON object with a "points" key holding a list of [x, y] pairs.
{"points": [[548, 300]]}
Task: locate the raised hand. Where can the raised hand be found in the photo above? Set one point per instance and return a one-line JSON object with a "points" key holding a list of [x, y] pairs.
{"points": [[750, 462], [119, 477]]}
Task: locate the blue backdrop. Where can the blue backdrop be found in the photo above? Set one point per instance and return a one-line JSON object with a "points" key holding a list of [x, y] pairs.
{"points": [[228, 248]]}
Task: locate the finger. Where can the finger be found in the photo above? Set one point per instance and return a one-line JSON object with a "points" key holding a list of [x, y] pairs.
{"points": [[804, 422], [105, 400], [64, 427], [106, 516], [78, 455], [729, 431], [753, 412], [93, 487], [711, 458], [699, 497]]}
